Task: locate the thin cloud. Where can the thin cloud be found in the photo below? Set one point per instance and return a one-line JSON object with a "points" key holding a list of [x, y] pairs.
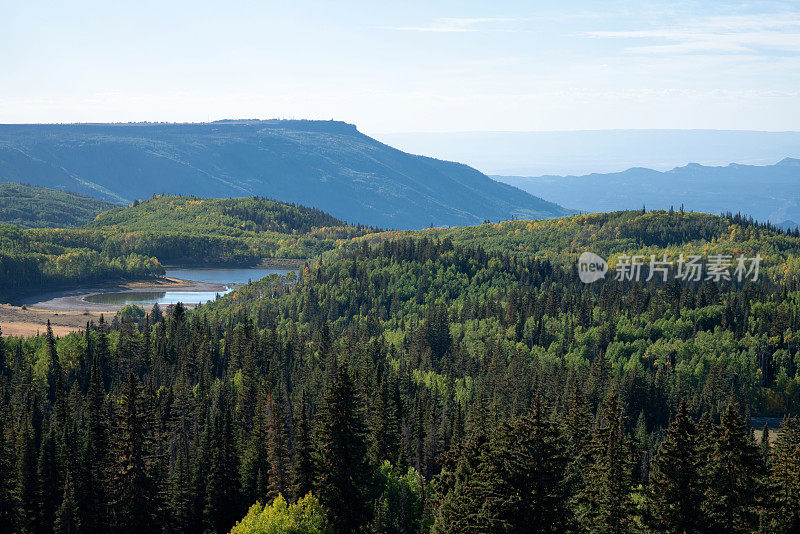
{"points": [[461, 25], [741, 34]]}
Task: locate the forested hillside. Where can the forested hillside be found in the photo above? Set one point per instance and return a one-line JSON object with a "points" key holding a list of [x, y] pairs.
{"points": [[325, 164], [233, 216], [133, 241], [637, 232], [37, 260], [39, 207], [435, 383]]}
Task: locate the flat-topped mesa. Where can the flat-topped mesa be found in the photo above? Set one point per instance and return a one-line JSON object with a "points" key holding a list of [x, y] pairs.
{"points": [[327, 165]]}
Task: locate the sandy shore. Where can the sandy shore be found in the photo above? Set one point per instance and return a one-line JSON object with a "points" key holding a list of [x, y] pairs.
{"points": [[73, 300], [68, 311]]}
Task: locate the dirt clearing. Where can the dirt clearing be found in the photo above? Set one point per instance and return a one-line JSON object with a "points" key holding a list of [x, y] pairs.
{"points": [[18, 321]]}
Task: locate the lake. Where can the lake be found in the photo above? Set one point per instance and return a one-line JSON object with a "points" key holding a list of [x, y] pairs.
{"points": [[227, 277], [122, 298]]}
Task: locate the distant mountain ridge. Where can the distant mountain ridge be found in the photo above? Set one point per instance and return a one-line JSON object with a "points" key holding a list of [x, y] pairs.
{"points": [[581, 152], [768, 193], [324, 164]]}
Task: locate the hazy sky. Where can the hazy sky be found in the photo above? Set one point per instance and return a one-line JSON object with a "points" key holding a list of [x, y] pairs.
{"points": [[406, 66]]}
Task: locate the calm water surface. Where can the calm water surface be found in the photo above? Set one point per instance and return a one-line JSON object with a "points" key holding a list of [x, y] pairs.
{"points": [[223, 276], [227, 277], [151, 297]]}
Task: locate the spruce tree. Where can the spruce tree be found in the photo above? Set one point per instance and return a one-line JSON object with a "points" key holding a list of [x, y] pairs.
{"points": [[180, 498], [521, 479], [675, 483], [134, 495], [784, 477], [458, 493], [255, 466], [26, 478], [103, 355], [577, 432], [54, 372], [49, 483], [67, 519], [343, 479], [277, 451], [5, 371], [766, 448], [384, 425], [733, 476], [199, 480], [606, 500], [302, 462], [7, 502], [96, 449], [73, 510], [223, 505]]}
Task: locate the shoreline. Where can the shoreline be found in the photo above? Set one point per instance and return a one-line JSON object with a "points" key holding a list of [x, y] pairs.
{"points": [[68, 311], [74, 299]]}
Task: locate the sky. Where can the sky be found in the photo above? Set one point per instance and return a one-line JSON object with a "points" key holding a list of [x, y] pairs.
{"points": [[406, 66]]}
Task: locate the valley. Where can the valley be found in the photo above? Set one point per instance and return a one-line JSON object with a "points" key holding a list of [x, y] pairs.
{"points": [[400, 267], [459, 331]]}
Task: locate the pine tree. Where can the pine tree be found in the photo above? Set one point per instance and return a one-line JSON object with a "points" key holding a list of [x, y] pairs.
{"points": [[385, 429], [733, 477], [134, 496], [54, 372], [302, 464], [607, 504], [96, 449], [26, 477], [49, 481], [67, 519], [278, 455], [459, 495], [343, 478], [7, 501], [223, 504], [675, 490], [784, 477], [73, 508], [180, 498], [521, 478]]}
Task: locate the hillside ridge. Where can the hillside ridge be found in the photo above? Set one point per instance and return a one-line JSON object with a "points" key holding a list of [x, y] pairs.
{"points": [[328, 165], [30, 206], [766, 192]]}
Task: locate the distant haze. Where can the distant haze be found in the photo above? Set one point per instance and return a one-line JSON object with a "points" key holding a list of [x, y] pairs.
{"points": [[767, 192], [588, 151]]}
